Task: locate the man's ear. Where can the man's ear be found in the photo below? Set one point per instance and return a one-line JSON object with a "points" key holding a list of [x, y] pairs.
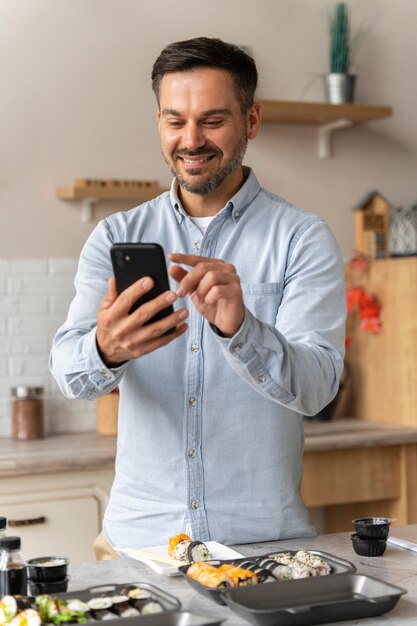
{"points": [[254, 120]]}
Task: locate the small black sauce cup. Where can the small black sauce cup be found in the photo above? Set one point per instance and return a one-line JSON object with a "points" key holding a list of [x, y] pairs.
{"points": [[47, 569]]}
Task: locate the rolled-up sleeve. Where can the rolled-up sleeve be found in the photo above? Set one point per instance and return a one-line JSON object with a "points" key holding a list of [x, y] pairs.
{"points": [[75, 361]]}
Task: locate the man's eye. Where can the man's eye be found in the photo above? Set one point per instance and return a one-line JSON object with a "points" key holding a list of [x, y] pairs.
{"points": [[213, 123], [175, 123]]}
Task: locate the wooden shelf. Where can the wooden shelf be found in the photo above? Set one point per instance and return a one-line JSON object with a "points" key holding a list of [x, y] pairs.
{"points": [[147, 192], [90, 191], [318, 113], [328, 117]]}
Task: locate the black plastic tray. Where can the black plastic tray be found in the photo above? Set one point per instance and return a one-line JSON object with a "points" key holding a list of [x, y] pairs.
{"points": [[168, 602], [338, 565], [172, 615], [313, 600]]}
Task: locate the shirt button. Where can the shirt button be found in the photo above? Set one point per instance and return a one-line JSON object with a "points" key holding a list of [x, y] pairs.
{"points": [[192, 453], [196, 245], [194, 504], [105, 375], [236, 215], [237, 347], [93, 389], [192, 402], [194, 347], [261, 379]]}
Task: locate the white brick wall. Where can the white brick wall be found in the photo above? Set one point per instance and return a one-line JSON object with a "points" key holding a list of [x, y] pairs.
{"points": [[34, 299]]}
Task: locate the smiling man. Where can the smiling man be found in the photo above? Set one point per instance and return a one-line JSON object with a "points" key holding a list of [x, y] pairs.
{"points": [[210, 436]]}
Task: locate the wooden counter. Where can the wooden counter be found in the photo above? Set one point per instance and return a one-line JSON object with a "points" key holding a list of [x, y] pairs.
{"points": [[354, 468], [351, 467]]}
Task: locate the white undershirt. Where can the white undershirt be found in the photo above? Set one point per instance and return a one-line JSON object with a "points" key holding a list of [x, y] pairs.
{"points": [[202, 222]]}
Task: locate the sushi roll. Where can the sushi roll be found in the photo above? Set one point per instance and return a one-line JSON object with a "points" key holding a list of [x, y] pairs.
{"points": [[138, 597], [28, 617], [312, 560], [207, 575], [101, 608], [8, 609], [280, 572], [152, 606], [300, 570], [122, 607], [264, 575], [178, 547], [197, 551], [285, 558], [237, 576], [78, 610]]}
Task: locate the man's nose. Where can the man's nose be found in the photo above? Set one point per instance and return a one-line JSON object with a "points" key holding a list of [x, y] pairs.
{"points": [[194, 136]]}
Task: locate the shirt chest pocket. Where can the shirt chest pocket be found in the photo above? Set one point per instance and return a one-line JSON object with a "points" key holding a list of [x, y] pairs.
{"points": [[263, 300]]}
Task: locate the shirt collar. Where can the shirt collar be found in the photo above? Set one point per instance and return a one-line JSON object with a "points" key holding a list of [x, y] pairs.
{"points": [[237, 205]]}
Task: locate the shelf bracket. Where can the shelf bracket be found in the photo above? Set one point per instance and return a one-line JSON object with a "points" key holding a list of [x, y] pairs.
{"points": [[87, 209], [325, 136]]}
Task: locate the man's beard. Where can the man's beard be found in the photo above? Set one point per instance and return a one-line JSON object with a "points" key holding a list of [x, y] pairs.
{"points": [[210, 184]]}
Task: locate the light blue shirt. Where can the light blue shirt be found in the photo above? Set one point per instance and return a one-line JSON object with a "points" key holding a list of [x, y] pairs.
{"points": [[210, 435]]}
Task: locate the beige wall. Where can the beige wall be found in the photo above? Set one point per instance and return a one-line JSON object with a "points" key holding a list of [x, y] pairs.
{"points": [[76, 102]]}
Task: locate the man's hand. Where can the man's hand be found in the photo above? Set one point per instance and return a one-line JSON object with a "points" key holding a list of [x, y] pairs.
{"points": [[214, 288], [122, 336]]}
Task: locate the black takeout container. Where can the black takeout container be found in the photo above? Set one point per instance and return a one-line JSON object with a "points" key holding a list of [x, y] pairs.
{"points": [[317, 600], [338, 566]]}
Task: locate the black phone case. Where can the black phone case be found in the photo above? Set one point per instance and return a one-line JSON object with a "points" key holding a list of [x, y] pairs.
{"points": [[132, 261]]}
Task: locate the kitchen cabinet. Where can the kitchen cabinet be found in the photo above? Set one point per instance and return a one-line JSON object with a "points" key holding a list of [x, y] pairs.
{"points": [[59, 486], [383, 374], [58, 513]]}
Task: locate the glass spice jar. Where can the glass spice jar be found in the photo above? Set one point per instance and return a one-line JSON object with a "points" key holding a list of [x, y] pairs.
{"points": [[27, 413]]}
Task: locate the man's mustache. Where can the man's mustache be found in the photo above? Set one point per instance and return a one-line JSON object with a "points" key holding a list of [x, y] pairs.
{"points": [[195, 153]]}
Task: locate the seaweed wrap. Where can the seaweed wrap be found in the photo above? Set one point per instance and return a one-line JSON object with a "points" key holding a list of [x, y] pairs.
{"points": [[101, 608], [198, 551], [280, 572], [207, 575], [122, 607], [237, 576]]}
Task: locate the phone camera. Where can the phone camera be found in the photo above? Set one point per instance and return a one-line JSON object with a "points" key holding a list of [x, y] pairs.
{"points": [[120, 259]]}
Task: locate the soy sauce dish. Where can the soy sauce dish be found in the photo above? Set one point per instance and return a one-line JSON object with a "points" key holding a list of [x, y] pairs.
{"points": [[47, 568]]}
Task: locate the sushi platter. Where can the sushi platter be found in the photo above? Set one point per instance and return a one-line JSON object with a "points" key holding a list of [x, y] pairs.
{"points": [[117, 605], [268, 569]]}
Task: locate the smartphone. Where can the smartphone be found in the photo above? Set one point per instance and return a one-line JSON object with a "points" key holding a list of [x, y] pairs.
{"points": [[132, 261]]}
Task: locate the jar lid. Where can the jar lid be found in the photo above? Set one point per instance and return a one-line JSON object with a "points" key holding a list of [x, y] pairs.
{"points": [[21, 391], [3, 523], [10, 543]]}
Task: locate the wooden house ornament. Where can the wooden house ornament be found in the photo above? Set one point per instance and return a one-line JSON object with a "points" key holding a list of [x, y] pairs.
{"points": [[372, 214]]}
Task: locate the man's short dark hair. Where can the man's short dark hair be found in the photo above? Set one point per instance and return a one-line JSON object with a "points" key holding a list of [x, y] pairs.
{"points": [[186, 55]]}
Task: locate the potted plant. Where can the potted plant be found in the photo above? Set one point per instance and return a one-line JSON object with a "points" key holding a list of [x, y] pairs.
{"points": [[339, 83]]}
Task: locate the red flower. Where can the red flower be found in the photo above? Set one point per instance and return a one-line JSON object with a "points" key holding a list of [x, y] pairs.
{"points": [[360, 301]]}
